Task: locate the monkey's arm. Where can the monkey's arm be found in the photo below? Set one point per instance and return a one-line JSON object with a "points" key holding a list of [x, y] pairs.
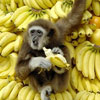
{"points": [[65, 25]]}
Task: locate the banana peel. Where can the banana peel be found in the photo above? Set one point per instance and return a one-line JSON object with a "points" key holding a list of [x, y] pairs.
{"points": [[56, 59]]}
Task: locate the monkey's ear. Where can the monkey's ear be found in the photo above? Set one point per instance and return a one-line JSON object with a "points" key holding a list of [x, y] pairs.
{"points": [[51, 32]]}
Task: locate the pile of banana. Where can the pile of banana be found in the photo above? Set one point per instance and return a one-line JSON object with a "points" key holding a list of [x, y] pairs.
{"points": [[15, 15]]}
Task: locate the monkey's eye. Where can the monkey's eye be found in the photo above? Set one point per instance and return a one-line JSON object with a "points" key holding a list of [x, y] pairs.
{"points": [[32, 31], [39, 32]]}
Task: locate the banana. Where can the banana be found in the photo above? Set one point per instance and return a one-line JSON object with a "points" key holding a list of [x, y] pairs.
{"points": [[88, 30], [15, 91], [24, 93], [53, 1], [3, 7], [95, 88], [53, 15], [58, 96], [85, 96], [96, 7], [85, 63], [5, 18], [97, 96], [21, 18], [71, 49], [74, 78], [58, 9], [7, 39], [37, 97], [88, 3], [57, 59], [8, 8], [34, 4], [80, 56], [91, 96], [30, 95], [80, 85], [46, 17], [3, 83], [3, 34], [81, 39], [13, 5], [86, 84], [18, 43], [74, 35], [26, 22], [8, 49], [71, 89], [64, 96], [20, 3], [96, 82], [2, 59], [92, 66], [52, 97], [97, 63], [26, 2], [13, 61], [69, 96], [4, 65], [19, 11], [41, 4], [79, 95], [48, 3], [8, 89], [81, 32], [75, 43]]}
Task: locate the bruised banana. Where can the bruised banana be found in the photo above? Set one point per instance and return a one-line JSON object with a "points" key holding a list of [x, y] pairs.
{"points": [[57, 59]]}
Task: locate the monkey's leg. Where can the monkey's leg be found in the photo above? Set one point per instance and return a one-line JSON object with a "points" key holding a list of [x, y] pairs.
{"points": [[45, 92], [39, 62]]}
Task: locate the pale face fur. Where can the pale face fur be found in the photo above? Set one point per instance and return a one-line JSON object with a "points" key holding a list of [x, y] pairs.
{"points": [[37, 37]]}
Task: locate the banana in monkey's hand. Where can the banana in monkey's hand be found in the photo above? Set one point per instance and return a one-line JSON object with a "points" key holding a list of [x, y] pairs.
{"points": [[56, 59]]}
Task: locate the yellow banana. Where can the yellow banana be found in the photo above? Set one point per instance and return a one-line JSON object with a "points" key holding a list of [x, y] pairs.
{"points": [[96, 7], [13, 61], [71, 49], [13, 5], [91, 96], [58, 96], [52, 97], [37, 97], [18, 43], [8, 89], [92, 66], [74, 35], [75, 43], [8, 49], [69, 96], [30, 95], [88, 3], [15, 91], [95, 88], [58, 9], [97, 96], [7, 39], [81, 39], [19, 11], [97, 64], [68, 38], [8, 8], [81, 32], [85, 64], [48, 3]]}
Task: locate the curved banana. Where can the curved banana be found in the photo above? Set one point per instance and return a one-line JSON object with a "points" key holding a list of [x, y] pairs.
{"points": [[48, 3], [37, 97], [91, 96], [97, 96], [58, 96], [13, 5], [52, 97], [81, 32], [88, 3]]}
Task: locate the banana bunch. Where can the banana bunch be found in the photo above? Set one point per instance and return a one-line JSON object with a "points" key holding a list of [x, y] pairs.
{"points": [[9, 42], [9, 89], [7, 65], [10, 5], [56, 59], [87, 60], [6, 25], [24, 15], [81, 83], [96, 7], [60, 9], [84, 95], [40, 4], [80, 35], [88, 3]]}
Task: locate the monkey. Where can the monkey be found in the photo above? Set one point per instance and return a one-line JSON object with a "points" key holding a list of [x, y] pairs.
{"points": [[31, 59]]}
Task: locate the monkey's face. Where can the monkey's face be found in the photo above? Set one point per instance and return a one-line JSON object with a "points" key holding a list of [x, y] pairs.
{"points": [[37, 37]]}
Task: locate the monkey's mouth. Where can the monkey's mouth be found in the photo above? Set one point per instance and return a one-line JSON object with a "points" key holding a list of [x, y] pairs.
{"points": [[35, 42]]}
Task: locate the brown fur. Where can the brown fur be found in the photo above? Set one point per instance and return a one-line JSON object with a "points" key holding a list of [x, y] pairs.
{"points": [[61, 28]]}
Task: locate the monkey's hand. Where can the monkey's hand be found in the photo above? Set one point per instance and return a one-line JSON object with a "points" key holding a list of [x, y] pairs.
{"points": [[57, 50], [39, 62]]}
